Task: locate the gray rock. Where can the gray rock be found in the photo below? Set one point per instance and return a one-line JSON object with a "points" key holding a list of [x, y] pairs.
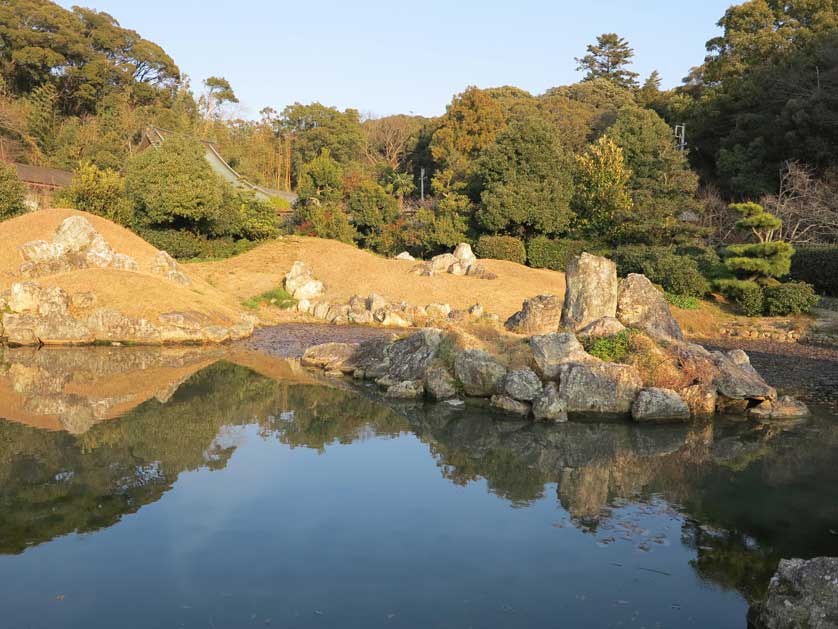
{"points": [[439, 383], [476, 311], [506, 403], [442, 262], [607, 326], [24, 297], [522, 385], [165, 265], [75, 234], [736, 379], [395, 320], [606, 388], [464, 255], [551, 351], [786, 407], [539, 315], [700, 398], [331, 357], [404, 255], [300, 283], [410, 357], [655, 404], [801, 594], [479, 373], [641, 305], [407, 390], [110, 325], [549, 406], [591, 291], [375, 302], [437, 311]]}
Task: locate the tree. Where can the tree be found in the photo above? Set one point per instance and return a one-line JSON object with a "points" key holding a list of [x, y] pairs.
{"points": [[662, 185], [602, 200], [218, 94], [173, 185], [321, 180], [526, 179], [372, 209], [650, 93], [608, 59], [390, 139], [99, 191], [807, 206], [766, 259], [12, 193]]}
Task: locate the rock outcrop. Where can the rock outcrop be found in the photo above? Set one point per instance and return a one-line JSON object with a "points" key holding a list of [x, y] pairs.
{"points": [[299, 282], [591, 292], [801, 594], [641, 305], [538, 315]]}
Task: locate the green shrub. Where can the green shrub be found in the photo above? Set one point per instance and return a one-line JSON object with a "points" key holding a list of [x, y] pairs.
{"points": [[612, 349], [278, 297], [549, 253], [818, 266], [186, 245], [706, 258], [501, 248], [98, 191], [12, 192], [677, 274], [683, 302], [789, 298], [748, 296]]}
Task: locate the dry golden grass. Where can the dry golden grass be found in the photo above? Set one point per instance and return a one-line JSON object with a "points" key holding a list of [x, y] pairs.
{"points": [[347, 271]]}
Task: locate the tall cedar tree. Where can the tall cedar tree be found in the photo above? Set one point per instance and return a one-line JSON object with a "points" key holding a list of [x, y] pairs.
{"points": [[607, 59]]}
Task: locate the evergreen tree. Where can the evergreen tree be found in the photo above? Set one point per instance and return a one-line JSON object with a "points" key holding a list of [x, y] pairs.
{"points": [[766, 259], [12, 193], [608, 59]]}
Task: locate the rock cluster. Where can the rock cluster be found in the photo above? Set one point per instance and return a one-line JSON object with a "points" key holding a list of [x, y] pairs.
{"points": [[299, 282], [461, 262], [47, 315], [563, 378]]}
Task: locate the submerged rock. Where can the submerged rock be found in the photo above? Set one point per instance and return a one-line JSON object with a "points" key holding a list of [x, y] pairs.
{"points": [[591, 291], [641, 305], [785, 407], [801, 594]]}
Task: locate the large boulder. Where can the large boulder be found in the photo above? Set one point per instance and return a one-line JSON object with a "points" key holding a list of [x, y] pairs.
{"points": [[656, 404], [75, 234], [801, 594], [606, 388], [300, 283], [410, 357], [331, 357], [548, 406], [523, 385], [464, 254], [442, 262], [551, 351], [479, 373], [641, 305], [700, 399], [439, 383], [538, 315], [736, 379], [591, 291]]}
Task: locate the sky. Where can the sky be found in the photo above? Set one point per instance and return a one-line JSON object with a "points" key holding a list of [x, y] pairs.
{"points": [[384, 58]]}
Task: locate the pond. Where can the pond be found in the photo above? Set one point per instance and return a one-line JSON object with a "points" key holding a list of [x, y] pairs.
{"points": [[186, 488]]}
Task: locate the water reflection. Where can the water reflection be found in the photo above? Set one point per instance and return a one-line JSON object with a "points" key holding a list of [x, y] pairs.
{"points": [[97, 434]]}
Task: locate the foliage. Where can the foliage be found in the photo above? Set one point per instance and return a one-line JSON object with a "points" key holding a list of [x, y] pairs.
{"points": [[677, 274], [324, 221], [526, 180], [607, 59], [173, 185], [321, 179], [372, 209], [682, 301], [442, 225], [187, 245], [612, 349], [554, 254], [501, 248], [748, 296], [817, 266], [765, 259], [99, 191], [790, 298], [277, 297], [602, 200], [12, 192]]}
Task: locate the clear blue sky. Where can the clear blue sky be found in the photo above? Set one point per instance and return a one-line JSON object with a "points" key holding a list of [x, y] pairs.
{"points": [[397, 57]]}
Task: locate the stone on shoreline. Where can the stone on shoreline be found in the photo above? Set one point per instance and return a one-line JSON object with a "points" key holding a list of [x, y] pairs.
{"points": [[480, 374], [523, 385], [656, 404], [784, 407], [538, 315], [548, 406], [591, 291], [510, 405], [641, 305], [551, 351], [606, 388]]}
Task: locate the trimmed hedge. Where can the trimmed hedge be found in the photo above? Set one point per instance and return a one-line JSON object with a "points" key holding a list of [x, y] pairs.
{"points": [[748, 296], [184, 245], [501, 248], [789, 298], [677, 274], [554, 254], [818, 266]]}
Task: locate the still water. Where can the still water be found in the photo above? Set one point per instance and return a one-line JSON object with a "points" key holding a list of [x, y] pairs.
{"points": [[177, 488]]}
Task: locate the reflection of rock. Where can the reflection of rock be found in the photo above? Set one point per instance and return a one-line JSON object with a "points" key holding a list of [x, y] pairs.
{"points": [[801, 594]]}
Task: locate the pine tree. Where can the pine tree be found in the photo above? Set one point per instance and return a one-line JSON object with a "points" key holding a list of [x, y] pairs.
{"points": [[766, 259], [608, 59]]}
